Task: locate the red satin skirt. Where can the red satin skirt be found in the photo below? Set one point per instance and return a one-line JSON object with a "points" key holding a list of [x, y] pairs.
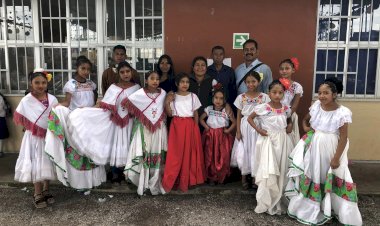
{"points": [[184, 166], [217, 148]]}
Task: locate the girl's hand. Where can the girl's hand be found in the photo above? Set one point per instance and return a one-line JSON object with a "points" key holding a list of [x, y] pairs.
{"points": [[225, 130], [169, 97], [238, 135], [306, 128], [262, 132], [289, 128], [335, 163], [207, 128]]}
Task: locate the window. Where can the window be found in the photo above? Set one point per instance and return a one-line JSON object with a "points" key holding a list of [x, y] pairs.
{"points": [[53, 33], [348, 46]]}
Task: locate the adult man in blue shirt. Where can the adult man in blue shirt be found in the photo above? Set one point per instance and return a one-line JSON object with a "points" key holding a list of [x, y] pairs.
{"points": [[251, 53], [223, 74]]}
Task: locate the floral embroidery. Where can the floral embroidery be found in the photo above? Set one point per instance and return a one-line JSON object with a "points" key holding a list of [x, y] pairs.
{"points": [[257, 100], [153, 160], [72, 156], [217, 113], [277, 111]]}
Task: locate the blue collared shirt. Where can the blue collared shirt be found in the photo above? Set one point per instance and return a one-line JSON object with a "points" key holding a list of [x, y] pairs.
{"points": [[241, 70]]}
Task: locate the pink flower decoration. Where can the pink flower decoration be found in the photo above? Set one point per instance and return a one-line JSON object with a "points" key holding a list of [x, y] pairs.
{"points": [[349, 186], [285, 82], [316, 187], [339, 182], [76, 157], [345, 197], [328, 190], [307, 181]]}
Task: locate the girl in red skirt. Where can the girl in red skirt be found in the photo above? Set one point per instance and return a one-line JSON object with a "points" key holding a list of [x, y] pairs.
{"points": [[184, 162], [217, 139]]}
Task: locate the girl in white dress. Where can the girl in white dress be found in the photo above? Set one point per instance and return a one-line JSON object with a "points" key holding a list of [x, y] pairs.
{"points": [[73, 169], [320, 184], [273, 147], [292, 96], [245, 104], [33, 165], [103, 134], [147, 150]]}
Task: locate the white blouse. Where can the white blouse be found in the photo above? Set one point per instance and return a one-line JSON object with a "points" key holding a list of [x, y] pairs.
{"points": [[217, 119], [82, 93], [246, 104], [329, 121], [289, 94], [272, 119], [184, 106]]}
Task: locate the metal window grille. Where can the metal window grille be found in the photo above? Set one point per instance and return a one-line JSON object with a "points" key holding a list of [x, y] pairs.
{"points": [[348, 46], [53, 33]]}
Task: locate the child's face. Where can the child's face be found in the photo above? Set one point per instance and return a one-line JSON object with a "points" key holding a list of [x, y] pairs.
{"points": [[218, 99], [276, 93], [153, 80], [84, 70], [200, 68], [218, 56], [184, 84], [164, 65], [325, 94], [286, 70], [125, 74], [39, 85], [251, 83], [119, 55]]}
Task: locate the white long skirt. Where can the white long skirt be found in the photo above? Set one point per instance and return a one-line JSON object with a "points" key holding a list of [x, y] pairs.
{"points": [[271, 165], [33, 165], [98, 138], [55, 148], [246, 153], [146, 158], [295, 134], [316, 191]]}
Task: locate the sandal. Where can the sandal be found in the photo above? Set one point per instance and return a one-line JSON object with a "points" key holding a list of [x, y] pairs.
{"points": [[244, 182], [39, 201], [48, 197]]}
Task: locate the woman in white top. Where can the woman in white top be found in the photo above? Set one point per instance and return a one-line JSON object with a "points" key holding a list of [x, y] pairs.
{"points": [[320, 184], [73, 169]]}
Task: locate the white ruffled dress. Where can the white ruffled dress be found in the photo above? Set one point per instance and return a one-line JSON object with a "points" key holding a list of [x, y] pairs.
{"points": [[316, 191], [245, 153], [289, 94], [271, 159], [103, 134]]}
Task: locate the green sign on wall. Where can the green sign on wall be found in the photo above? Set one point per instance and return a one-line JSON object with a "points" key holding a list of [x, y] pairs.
{"points": [[239, 39]]}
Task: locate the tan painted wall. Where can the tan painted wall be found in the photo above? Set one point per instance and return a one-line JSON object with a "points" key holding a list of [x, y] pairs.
{"points": [[364, 130]]}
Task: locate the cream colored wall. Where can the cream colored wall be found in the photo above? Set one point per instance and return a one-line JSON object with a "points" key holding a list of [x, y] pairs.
{"points": [[363, 132]]}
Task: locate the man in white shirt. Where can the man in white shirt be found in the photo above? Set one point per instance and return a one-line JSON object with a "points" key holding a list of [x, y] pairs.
{"points": [[251, 53]]}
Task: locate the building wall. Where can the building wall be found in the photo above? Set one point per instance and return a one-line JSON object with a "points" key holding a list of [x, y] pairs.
{"points": [[283, 29]]}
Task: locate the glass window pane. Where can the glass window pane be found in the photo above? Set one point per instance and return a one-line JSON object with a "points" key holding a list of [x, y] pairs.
{"points": [[331, 62], [48, 58], [157, 29], [323, 29], [319, 78], [324, 8], [334, 29], [44, 8], [148, 30], [128, 30], [376, 21], [371, 74], [340, 60], [352, 60], [350, 86], [343, 29], [57, 58], [19, 21], [139, 29], [82, 8], [148, 8], [138, 7], [362, 66], [3, 80], [321, 60], [128, 8], [157, 7], [2, 56], [54, 7], [120, 34], [110, 20], [73, 8]]}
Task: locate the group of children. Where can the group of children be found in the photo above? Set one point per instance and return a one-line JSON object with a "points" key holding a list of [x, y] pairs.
{"points": [[73, 142]]}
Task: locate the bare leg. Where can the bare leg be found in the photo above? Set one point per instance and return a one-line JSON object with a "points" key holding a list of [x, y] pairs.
{"points": [[39, 200]]}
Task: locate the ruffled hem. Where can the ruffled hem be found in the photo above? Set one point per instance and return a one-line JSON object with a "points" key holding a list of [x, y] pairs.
{"points": [[19, 119], [142, 118], [115, 117]]}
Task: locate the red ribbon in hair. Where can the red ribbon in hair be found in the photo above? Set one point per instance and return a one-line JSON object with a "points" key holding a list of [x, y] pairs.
{"points": [[295, 62], [285, 82]]}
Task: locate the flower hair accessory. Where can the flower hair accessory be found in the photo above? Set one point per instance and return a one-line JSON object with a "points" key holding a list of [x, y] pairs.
{"points": [[285, 82], [42, 71], [216, 85], [261, 76], [295, 62]]}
